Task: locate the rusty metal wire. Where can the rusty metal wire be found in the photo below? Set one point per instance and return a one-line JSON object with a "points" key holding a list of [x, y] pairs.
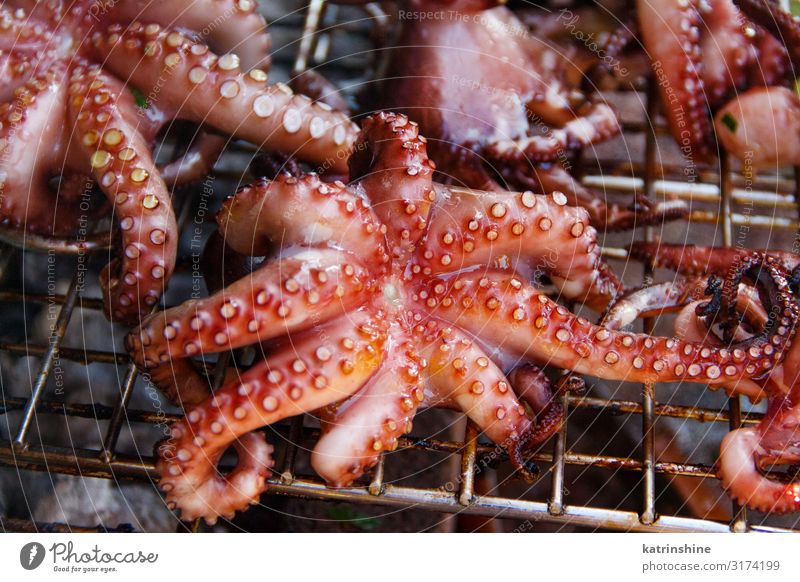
{"points": [[104, 460]]}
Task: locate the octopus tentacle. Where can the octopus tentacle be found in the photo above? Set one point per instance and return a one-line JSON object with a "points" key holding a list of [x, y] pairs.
{"points": [[121, 163], [651, 300], [19, 31], [308, 287], [597, 124], [532, 386], [301, 210], [312, 84], [297, 378], [461, 375], [603, 215], [181, 382], [16, 67], [522, 231], [197, 162], [390, 161], [726, 50], [26, 200], [237, 25], [689, 325], [738, 469], [774, 67], [276, 118], [511, 313], [357, 430], [695, 261], [781, 24], [670, 32]]}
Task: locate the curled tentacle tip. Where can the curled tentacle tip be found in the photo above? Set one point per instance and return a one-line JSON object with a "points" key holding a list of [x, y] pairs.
{"points": [[571, 384]]}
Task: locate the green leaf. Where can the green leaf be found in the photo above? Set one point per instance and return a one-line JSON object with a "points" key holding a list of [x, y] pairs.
{"points": [[730, 122], [794, 7], [141, 100], [347, 514]]}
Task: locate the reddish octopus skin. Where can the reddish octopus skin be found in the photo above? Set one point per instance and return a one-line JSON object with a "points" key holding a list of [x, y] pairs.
{"points": [[314, 291], [482, 88], [752, 126], [391, 337], [746, 453], [695, 261], [670, 33], [88, 125], [708, 58]]}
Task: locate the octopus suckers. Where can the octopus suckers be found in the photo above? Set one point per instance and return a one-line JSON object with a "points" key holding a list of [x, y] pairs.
{"points": [[227, 310], [270, 403], [339, 135], [100, 159], [611, 357], [258, 75], [150, 201], [316, 127], [528, 199], [499, 210], [229, 89], [264, 106], [139, 175], [292, 120], [228, 62], [563, 335], [197, 75]]}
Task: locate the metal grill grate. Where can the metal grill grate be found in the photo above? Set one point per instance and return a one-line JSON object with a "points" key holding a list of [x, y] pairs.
{"points": [[104, 461]]}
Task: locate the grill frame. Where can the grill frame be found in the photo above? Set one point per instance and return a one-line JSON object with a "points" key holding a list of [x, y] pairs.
{"points": [[104, 461]]}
